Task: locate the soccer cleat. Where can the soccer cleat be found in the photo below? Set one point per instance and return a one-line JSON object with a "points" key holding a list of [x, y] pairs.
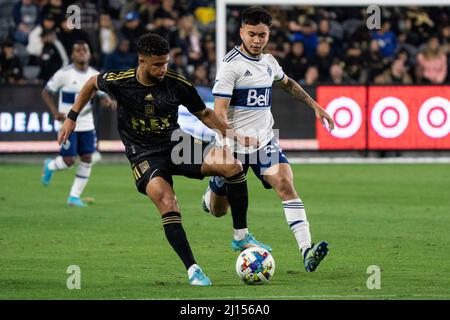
{"points": [[47, 174], [199, 278], [314, 255], [75, 202], [248, 242]]}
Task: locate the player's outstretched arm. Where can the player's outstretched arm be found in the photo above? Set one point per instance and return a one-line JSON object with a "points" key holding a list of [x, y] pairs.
{"points": [[212, 121], [86, 94], [294, 89]]}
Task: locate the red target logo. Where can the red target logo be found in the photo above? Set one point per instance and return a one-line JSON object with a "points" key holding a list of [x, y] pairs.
{"points": [[347, 116], [434, 117], [390, 117]]}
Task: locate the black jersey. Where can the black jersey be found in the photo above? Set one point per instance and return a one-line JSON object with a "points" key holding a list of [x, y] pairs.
{"points": [[147, 115]]}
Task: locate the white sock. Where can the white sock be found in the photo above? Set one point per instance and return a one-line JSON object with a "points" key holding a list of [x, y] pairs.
{"points": [[81, 179], [57, 164], [240, 234], [208, 199], [296, 218], [192, 269]]}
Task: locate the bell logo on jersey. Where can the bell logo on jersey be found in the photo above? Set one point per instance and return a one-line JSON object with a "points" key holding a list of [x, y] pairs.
{"points": [[261, 100]]}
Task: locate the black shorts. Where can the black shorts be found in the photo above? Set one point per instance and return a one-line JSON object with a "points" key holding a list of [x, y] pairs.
{"points": [[184, 159]]}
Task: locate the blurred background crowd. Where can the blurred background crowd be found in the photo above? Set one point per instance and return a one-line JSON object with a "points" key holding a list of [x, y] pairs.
{"points": [[326, 45]]}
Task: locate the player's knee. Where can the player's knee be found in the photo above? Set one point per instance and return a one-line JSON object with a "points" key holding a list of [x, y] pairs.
{"points": [[167, 202], [86, 158], [69, 161], [285, 187]]}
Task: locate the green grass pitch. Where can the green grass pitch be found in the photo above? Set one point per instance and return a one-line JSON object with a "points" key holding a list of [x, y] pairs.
{"points": [[395, 216]]}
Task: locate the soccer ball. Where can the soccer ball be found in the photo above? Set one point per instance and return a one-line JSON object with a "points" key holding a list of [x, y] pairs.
{"points": [[255, 265]]}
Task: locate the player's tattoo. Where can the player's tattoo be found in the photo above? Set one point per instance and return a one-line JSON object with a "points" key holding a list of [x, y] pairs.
{"points": [[293, 88]]}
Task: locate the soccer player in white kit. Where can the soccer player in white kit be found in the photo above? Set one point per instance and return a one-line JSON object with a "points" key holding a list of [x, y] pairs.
{"points": [[243, 97], [67, 83]]}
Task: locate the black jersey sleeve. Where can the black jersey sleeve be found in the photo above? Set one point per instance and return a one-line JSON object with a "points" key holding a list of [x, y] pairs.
{"points": [[103, 84], [190, 98]]}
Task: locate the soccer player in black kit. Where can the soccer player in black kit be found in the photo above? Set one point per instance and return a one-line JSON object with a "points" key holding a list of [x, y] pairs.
{"points": [[148, 98]]}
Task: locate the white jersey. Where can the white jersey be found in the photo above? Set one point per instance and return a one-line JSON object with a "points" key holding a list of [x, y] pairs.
{"points": [[247, 82], [68, 82]]}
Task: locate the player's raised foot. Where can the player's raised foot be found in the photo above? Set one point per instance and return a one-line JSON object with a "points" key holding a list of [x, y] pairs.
{"points": [[198, 278], [47, 174], [314, 255], [248, 242], [75, 202]]}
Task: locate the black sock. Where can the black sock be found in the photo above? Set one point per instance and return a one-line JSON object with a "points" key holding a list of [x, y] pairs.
{"points": [[177, 237], [237, 195]]}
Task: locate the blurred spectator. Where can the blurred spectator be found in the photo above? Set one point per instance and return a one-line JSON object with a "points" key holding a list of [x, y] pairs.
{"points": [[338, 75], [403, 45], [396, 74], [187, 39], [11, 71], [179, 64], [26, 17], [56, 9], [166, 17], [311, 76], [324, 35], [275, 51], [308, 36], [35, 43], [142, 8], [375, 63], [296, 64], [444, 37], [121, 58], [386, 39], [418, 24], [432, 63], [209, 48], [107, 34], [323, 60], [132, 29], [354, 63], [200, 77], [406, 58], [53, 55]]}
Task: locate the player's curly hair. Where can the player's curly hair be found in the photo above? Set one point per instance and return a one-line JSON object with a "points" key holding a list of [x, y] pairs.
{"points": [[151, 44], [256, 15]]}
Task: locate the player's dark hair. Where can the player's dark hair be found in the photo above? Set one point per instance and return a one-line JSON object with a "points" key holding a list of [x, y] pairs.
{"points": [[81, 43], [151, 44], [256, 15]]}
